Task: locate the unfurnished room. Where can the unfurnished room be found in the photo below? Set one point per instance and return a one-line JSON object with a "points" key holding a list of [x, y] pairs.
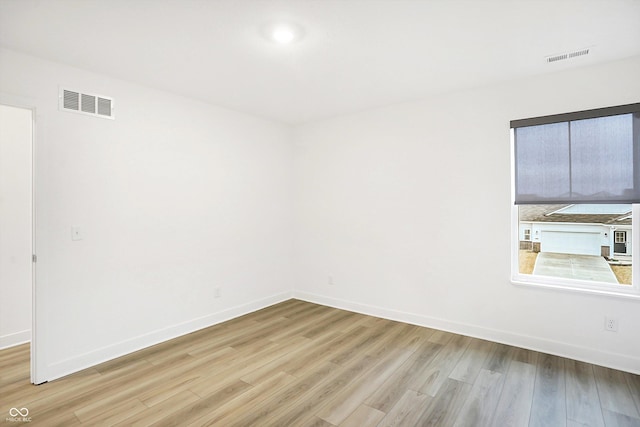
{"points": [[320, 213]]}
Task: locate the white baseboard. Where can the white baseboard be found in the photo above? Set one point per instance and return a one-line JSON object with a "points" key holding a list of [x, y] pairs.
{"points": [[17, 338], [584, 354], [78, 363]]}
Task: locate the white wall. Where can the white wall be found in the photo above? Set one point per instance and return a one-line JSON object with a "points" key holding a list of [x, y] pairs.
{"points": [[390, 203], [15, 226], [174, 197]]}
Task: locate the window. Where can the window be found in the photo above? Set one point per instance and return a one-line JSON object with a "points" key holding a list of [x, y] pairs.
{"points": [[576, 192]]}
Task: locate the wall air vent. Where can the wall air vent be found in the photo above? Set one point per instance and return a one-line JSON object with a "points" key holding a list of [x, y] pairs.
{"points": [[83, 103], [567, 55]]}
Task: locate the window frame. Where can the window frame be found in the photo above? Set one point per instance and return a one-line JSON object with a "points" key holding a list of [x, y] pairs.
{"points": [[571, 285]]}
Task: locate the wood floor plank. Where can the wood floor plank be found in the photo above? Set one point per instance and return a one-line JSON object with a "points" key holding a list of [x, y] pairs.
{"points": [[249, 338], [99, 391], [444, 409], [363, 343], [250, 398], [11, 371], [159, 412], [407, 410], [405, 336], [614, 419], [113, 415], [549, 396], [10, 357], [202, 345], [277, 403], [299, 325], [363, 416], [409, 376], [326, 351], [479, 407], [337, 321], [583, 403], [441, 337], [499, 360], [180, 377], [350, 397], [242, 363], [61, 418], [311, 311], [514, 406], [360, 321], [284, 309], [472, 360], [442, 365], [286, 361], [202, 406], [524, 355], [295, 363], [212, 380], [158, 394], [26, 393], [317, 422], [309, 403], [614, 393], [634, 383], [135, 387]]}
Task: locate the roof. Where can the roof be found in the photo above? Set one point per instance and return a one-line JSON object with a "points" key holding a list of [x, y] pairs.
{"points": [[548, 213]]}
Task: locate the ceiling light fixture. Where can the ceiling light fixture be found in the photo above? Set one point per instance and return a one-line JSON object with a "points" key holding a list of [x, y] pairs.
{"points": [[283, 33]]}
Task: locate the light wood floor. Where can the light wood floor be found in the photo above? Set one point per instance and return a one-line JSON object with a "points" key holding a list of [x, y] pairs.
{"points": [[301, 364]]}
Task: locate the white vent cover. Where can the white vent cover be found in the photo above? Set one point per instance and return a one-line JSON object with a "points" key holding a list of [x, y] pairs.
{"points": [[568, 55], [84, 103]]}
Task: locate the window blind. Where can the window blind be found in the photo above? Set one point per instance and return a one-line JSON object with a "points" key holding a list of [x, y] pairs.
{"points": [[584, 157]]}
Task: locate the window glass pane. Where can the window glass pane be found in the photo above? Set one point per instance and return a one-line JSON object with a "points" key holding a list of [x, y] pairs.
{"points": [[593, 244]]}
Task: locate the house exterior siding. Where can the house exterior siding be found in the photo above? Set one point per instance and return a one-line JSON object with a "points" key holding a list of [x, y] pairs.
{"points": [[601, 243]]}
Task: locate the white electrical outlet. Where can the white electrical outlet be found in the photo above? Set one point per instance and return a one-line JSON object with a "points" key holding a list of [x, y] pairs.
{"points": [[216, 292], [611, 324], [76, 233], [330, 281]]}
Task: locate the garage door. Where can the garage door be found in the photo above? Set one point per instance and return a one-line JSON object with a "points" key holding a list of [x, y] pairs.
{"points": [[570, 243]]}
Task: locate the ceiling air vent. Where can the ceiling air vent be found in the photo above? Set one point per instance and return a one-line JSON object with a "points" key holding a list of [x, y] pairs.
{"points": [[567, 55], [84, 103]]}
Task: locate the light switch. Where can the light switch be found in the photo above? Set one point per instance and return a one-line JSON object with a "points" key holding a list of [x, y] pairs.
{"points": [[77, 233]]}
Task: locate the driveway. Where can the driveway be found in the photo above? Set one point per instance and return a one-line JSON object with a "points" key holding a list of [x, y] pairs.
{"points": [[583, 267]]}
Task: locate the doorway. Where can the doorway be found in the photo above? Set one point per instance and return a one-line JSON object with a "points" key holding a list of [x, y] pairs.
{"points": [[16, 226], [620, 242]]}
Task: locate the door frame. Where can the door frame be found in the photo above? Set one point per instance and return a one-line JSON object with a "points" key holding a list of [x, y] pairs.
{"points": [[36, 132]]}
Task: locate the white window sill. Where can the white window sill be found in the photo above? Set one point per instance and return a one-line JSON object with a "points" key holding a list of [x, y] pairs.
{"points": [[631, 293]]}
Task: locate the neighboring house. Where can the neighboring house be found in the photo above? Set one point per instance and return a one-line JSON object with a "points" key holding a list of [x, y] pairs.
{"points": [[602, 230]]}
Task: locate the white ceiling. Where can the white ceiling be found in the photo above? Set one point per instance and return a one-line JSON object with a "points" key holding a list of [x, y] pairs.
{"points": [[355, 55]]}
